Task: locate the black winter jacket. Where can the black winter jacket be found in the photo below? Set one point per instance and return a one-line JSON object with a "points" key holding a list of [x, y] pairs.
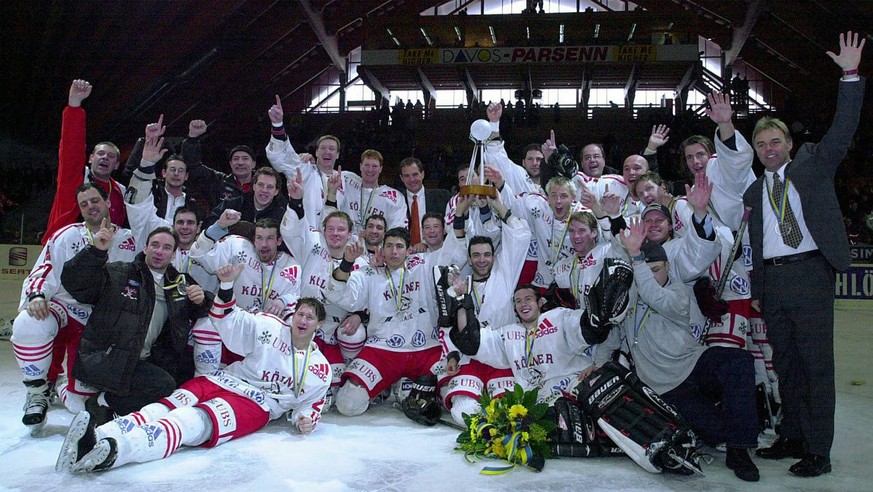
{"points": [[123, 296]]}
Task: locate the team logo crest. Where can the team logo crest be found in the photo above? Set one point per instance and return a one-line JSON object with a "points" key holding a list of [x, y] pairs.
{"points": [[130, 292]]}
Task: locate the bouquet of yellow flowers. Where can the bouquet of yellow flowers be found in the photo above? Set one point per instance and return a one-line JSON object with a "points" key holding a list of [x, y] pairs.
{"points": [[510, 427]]}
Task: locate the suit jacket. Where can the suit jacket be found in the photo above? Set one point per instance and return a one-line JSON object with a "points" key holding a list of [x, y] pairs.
{"points": [[812, 174], [435, 200]]}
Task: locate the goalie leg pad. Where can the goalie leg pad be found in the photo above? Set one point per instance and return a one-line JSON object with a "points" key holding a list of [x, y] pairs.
{"points": [[649, 430], [576, 435]]}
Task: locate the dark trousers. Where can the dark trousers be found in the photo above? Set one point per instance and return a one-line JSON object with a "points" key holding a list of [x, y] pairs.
{"points": [[149, 384], [798, 307], [725, 375]]}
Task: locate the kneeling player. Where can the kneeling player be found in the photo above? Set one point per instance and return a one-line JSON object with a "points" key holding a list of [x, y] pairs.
{"points": [[283, 370]]}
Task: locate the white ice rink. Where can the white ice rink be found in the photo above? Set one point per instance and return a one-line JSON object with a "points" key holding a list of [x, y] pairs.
{"points": [[383, 451]]}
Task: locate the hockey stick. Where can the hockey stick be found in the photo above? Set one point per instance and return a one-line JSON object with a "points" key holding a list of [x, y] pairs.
{"points": [[725, 271], [722, 281]]}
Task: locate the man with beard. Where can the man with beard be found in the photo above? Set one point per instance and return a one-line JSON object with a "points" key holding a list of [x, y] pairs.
{"points": [[49, 318]]}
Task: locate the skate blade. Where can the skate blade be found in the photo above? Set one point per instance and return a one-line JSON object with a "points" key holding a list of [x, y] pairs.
{"points": [[78, 427]]}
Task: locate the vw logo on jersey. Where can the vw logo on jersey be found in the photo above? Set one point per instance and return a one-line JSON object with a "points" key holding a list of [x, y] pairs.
{"points": [[419, 339], [372, 340], [395, 341], [740, 286], [747, 256], [697, 331]]}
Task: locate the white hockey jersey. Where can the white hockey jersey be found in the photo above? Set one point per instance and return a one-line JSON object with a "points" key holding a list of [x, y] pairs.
{"points": [[360, 203], [402, 302], [143, 218], [549, 357], [550, 242], [308, 244], [45, 277], [285, 159], [579, 273], [274, 374], [259, 283]]}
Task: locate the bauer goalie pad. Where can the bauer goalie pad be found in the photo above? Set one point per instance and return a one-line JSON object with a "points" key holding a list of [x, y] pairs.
{"points": [[576, 435], [648, 429]]}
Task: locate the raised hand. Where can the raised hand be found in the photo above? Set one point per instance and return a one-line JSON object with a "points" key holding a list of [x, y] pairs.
{"points": [[719, 110], [276, 113], [494, 112], [634, 236], [196, 128], [228, 218], [79, 91], [104, 236], [152, 149], [464, 204], [295, 186], [155, 129], [334, 182], [549, 146], [229, 273], [698, 196], [354, 250], [307, 157], [658, 137], [850, 51]]}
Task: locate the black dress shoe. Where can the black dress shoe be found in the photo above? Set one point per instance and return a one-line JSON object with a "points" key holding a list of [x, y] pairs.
{"points": [[740, 462], [812, 465], [782, 448]]}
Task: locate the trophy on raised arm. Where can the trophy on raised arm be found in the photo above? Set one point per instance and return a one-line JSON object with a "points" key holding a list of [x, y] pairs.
{"points": [[480, 134]]}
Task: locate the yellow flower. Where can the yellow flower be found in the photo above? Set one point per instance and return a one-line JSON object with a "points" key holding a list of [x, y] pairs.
{"points": [[497, 448], [516, 411], [491, 409], [525, 437]]}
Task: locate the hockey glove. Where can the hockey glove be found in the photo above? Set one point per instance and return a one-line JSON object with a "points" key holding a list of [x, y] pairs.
{"points": [[422, 405], [708, 300]]}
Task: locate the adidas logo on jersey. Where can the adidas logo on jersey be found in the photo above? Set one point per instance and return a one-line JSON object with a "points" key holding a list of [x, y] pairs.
{"points": [[128, 244], [389, 194], [320, 370]]}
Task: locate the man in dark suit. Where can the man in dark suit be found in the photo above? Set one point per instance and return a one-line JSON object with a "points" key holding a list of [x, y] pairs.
{"points": [[798, 241], [425, 200]]}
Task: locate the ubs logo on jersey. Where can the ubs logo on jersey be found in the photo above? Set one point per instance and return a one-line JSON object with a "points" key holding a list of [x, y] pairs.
{"points": [[419, 339], [395, 341], [290, 274], [740, 286]]}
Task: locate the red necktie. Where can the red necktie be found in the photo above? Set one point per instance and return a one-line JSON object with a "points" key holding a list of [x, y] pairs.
{"points": [[414, 225]]}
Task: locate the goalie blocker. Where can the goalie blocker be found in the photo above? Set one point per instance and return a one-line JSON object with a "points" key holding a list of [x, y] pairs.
{"points": [[644, 426]]}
